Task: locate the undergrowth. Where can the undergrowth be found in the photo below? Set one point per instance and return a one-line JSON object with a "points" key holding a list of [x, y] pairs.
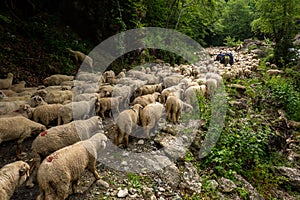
{"points": [[244, 144]]}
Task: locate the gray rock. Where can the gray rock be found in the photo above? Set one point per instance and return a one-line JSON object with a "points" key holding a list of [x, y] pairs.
{"points": [[102, 184], [122, 193], [191, 179], [213, 184], [170, 175], [148, 193], [292, 174], [226, 185], [253, 193]]}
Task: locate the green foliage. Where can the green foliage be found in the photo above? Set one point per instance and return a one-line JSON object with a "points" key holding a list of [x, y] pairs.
{"points": [[277, 19], [236, 18], [230, 42], [134, 180], [6, 19], [189, 156], [241, 146], [284, 92]]}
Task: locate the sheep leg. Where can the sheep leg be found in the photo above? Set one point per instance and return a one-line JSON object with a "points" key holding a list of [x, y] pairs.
{"points": [[19, 150], [126, 138], [59, 120], [102, 114], [178, 116], [92, 168], [74, 186], [33, 171], [174, 117], [116, 138], [61, 189]]}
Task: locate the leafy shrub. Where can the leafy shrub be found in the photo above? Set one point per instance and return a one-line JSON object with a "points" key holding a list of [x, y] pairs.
{"points": [[284, 92], [230, 42]]}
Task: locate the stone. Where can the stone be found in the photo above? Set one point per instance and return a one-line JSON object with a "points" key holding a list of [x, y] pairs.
{"points": [[253, 193], [141, 142], [293, 176], [213, 184], [122, 193], [226, 185], [102, 184], [171, 175], [191, 179]]}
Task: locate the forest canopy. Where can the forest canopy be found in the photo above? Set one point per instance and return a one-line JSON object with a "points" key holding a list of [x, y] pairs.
{"points": [[210, 22]]}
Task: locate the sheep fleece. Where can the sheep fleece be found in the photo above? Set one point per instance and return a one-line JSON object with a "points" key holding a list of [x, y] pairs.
{"points": [[12, 176], [64, 167]]}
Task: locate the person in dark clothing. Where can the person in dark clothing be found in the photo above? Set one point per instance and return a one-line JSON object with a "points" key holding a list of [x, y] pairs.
{"points": [[225, 58]]}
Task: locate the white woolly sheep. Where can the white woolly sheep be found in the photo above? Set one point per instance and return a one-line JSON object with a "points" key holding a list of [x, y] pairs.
{"points": [[19, 87], [191, 93], [177, 90], [2, 95], [58, 137], [150, 115], [60, 96], [124, 91], [57, 79], [126, 122], [149, 78], [82, 58], [12, 176], [85, 97], [275, 72], [46, 113], [18, 128], [122, 74], [105, 90], [109, 77], [173, 109], [148, 89], [172, 80], [75, 111], [7, 82], [146, 99], [211, 86], [133, 83], [108, 104], [64, 167], [87, 76]]}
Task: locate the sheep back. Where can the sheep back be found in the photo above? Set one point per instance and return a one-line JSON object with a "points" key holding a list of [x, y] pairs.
{"points": [[12, 176]]}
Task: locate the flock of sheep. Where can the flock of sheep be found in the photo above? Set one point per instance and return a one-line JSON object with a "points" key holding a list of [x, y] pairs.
{"points": [[64, 116]]}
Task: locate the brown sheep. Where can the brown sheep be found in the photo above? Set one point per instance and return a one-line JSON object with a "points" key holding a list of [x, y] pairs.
{"points": [[18, 87], [6, 83], [18, 128], [173, 109], [57, 79], [146, 99], [148, 89], [81, 57], [12, 176], [46, 113], [150, 115], [125, 122], [110, 104], [64, 167]]}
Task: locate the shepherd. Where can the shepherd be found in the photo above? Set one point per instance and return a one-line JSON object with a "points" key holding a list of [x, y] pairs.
{"points": [[225, 58]]}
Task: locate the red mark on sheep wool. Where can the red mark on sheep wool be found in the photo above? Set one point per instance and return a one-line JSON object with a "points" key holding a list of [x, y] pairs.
{"points": [[16, 111], [44, 133], [50, 158]]}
